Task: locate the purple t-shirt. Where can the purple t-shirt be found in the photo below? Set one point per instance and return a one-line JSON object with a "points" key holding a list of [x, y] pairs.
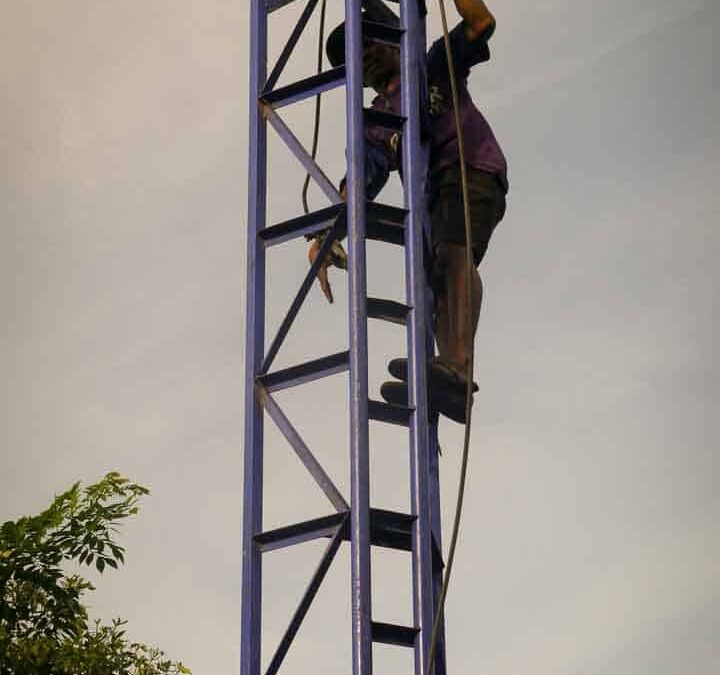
{"points": [[482, 149]]}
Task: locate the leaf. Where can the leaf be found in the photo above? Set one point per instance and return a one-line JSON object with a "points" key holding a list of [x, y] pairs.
{"points": [[44, 627]]}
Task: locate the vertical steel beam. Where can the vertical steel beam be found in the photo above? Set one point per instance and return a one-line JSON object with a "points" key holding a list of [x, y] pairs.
{"points": [[415, 161], [359, 442], [424, 484], [440, 665], [251, 621]]}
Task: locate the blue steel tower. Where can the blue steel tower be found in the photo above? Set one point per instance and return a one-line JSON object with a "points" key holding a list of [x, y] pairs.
{"points": [[353, 519]]}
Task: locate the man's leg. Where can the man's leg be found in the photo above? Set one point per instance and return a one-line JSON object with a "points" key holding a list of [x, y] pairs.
{"points": [[455, 327]]}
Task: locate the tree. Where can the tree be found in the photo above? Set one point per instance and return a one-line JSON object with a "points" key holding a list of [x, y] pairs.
{"points": [[44, 627]]}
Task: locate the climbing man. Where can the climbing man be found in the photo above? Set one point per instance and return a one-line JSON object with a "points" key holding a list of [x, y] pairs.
{"points": [[487, 187]]}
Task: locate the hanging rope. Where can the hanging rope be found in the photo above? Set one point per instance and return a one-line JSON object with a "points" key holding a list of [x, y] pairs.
{"points": [[469, 264], [318, 99], [469, 267]]}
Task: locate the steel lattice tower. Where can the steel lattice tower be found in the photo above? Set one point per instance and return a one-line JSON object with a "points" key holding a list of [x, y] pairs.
{"points": [[418, 531]]}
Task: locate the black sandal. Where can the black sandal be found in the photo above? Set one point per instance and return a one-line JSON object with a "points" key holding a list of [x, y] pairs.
{"points": [[439, 375], [446, 401]]}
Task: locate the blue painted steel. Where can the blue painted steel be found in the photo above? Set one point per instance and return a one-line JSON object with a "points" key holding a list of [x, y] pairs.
{"points": [[436, 515], [359, 433], [306, 601], [299, 533], [296, 304], [387, 310], [385, 120], [310, 223], [311, 86], [305, 372], [304, 453], [419, 531], [290, 45], [303, 156], [440, 665], [392, 634], [415, 161], [272, 5], [389, 413], [251, 620]]}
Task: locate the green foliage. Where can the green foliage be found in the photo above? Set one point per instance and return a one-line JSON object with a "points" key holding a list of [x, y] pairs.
{"points": [[44, 628]]}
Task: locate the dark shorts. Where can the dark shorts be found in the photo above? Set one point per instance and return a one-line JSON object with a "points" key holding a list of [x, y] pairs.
{"points": [[487, 207]]}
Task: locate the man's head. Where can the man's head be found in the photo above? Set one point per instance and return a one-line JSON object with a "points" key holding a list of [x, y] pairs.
{"points": [[381, 62], [381, 65]]}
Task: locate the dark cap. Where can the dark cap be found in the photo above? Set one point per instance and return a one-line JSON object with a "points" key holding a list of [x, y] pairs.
{"points": [[373, 10]]}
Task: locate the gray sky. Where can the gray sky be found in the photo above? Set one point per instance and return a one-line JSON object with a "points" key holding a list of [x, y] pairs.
{"points": [[590, 541]]}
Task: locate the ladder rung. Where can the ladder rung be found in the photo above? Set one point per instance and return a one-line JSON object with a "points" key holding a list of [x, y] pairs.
{"points": [[299, 532], [305, 372], [389, 529], [305, 88], [387, 310], [385, 223], [382, 32], [437, 557], [391, 634], [378, 118], [385, 214], [387, 412], [272, 5], [302, 225]]}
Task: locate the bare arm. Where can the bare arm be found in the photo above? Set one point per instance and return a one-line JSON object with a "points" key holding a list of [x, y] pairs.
{"points": [[477, 16]]}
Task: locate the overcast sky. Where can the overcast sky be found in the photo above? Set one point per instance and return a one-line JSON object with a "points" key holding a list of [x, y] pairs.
{"points": [[591, 538]]}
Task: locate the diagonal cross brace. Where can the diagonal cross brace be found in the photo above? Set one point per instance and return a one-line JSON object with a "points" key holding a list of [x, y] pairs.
{"points": [[290, 46], [301, 450], [302, 155], [307, 599], [297, 303], [306, 372], [273, 5]]}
